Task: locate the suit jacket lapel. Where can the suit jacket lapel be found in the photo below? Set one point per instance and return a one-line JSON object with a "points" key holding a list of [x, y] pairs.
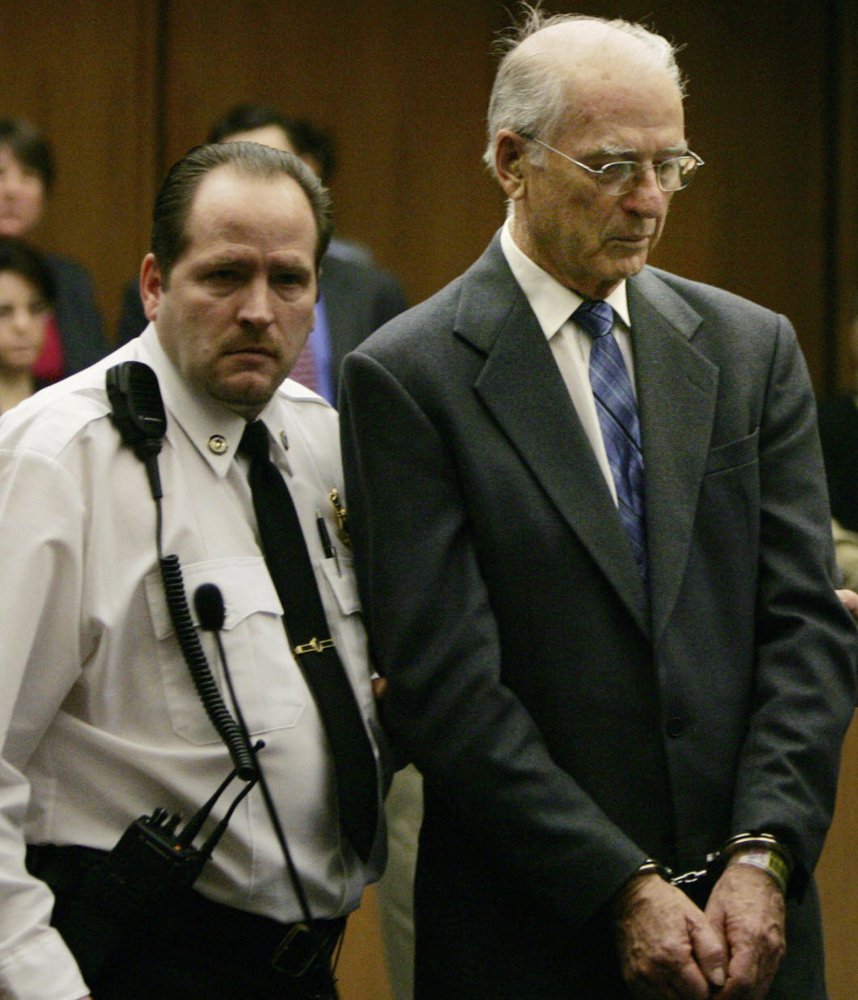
{"points": [[523, 389], [677, 390]]}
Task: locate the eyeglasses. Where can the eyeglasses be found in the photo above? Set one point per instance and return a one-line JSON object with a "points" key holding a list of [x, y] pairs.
{"points": [[619, 178]]}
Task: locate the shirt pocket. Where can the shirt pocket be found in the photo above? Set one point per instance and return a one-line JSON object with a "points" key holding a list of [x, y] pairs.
{"points": [[340, 597], [340, 577], [270, 690]]}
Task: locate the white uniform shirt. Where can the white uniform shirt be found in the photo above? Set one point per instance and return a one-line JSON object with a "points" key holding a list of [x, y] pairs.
{"points": [[99, 715], [553, 305]]}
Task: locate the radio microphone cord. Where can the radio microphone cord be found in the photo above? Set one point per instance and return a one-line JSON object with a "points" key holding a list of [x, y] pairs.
{"points": [[211, 614]]}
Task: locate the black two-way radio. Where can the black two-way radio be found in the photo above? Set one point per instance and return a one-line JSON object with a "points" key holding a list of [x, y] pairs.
{"points": [[138, 413], [118, 893]]}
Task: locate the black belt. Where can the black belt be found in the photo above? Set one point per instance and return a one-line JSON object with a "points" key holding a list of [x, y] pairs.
{"points": [[252, 938], [192, 919]]}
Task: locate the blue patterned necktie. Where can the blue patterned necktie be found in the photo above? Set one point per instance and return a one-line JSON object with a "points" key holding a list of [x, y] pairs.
{"points": [[618, 419]]}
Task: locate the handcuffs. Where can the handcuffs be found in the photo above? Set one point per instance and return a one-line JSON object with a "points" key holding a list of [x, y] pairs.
{"points": [[762, 850]]}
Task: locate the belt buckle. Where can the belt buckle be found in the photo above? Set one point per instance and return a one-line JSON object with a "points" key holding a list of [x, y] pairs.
{"points": [[297, 952]]}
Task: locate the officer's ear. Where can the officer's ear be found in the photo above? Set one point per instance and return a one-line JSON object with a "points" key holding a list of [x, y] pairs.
{"points": [[511, 163], [152, 286]]}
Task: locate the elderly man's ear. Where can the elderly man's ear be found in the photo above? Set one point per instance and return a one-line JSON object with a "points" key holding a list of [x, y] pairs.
{"points": [[511, 163]]}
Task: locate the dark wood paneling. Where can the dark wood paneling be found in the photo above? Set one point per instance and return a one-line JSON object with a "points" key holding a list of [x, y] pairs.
{"points": [[838, 881], [84, 72], [403, 90], [124, 88], [844, 196]]}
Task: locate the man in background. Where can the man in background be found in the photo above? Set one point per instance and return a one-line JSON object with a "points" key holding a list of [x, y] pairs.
{"points": [[838, 431], [315, 145]]}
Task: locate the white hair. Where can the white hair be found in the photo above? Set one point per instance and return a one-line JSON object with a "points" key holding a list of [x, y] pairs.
{"points": [[532, 97]]}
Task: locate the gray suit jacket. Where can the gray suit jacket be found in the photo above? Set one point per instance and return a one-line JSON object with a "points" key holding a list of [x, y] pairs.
{"points": [[567, 726]]}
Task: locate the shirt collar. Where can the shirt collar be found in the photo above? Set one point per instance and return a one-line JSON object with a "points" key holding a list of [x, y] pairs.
{"points": [[551, 302], [214, 430]]}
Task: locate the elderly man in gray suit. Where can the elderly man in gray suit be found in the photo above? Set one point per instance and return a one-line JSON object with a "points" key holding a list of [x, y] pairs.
{"points": [[592, 537]]}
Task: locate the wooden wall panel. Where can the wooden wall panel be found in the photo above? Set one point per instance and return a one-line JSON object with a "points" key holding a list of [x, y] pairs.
{"points": [[84, 72], [838, 881], [403, 91], [361, 970], [844, 283], [406, 93], [838, 868]]}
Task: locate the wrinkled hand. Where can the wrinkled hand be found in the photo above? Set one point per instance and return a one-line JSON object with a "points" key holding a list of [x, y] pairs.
{"points": [[850, 601], [668, 950], [747, 908]]}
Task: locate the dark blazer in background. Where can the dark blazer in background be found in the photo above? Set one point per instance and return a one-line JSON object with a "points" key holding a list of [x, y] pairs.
{"points": [[358, 300], [567, 729], [132, 318], [80, 323], [838, 431]]}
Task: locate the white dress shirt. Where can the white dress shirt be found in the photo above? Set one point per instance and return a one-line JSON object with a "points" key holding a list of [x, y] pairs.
{"points": [[553, 305], [100, 720]]}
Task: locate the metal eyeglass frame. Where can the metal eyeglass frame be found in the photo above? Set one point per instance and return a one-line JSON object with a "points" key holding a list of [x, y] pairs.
{"points": [[604, 181]]}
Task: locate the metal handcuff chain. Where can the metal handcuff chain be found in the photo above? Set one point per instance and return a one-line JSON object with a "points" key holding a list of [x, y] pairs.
{"points": [[698, 883]]}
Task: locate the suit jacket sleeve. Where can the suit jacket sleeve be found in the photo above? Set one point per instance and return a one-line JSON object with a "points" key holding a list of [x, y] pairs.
{"points": [[804, 682]]}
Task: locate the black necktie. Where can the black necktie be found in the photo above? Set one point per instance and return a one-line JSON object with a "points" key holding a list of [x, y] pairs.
{"points": [[291, 571]]}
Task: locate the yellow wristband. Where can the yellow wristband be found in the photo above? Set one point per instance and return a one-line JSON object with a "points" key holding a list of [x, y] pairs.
{"points": [[766, 860]]}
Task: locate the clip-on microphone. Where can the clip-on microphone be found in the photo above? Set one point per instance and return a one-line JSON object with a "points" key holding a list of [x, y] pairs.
{"points": [[138, 412]]}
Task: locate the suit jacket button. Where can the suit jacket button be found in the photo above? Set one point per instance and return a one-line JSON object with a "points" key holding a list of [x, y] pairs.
{"points": [[675, 726]]}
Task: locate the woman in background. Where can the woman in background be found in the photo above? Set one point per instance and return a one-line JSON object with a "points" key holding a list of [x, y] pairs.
{"points": [[26, 303], [74, 337]]}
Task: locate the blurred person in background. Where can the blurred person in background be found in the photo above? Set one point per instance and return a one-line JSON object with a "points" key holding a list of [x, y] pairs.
{"points": [[838, 431], [74, 336], [317, 147], [27, 296]]}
